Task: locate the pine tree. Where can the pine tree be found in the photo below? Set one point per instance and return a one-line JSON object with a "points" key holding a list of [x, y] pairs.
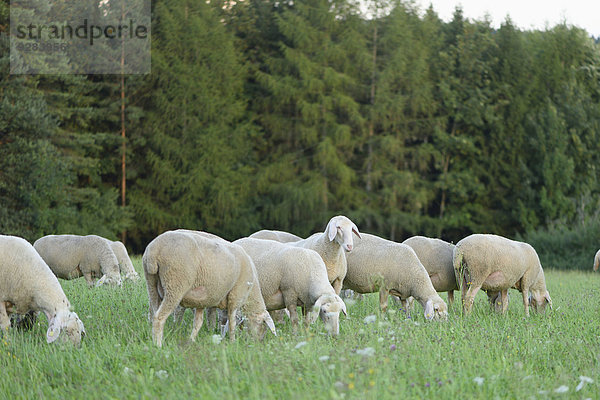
{"points": [[306, 108], [192, 152]]}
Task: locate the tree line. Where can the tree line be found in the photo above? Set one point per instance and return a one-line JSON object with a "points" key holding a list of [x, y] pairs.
{"points": [[280, 114]]}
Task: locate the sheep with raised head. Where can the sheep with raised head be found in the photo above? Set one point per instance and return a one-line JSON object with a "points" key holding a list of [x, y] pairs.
{"points": [[379, 265], [278, 236], [73, 256], [436, 257], [331, 246], [199, 272], [290, 277], [27, 284], [125, 264], [495, 264]]}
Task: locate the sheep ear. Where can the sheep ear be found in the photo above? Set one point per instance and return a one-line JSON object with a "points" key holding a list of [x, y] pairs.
{"points": [[429, 310], [343, 305], [548, 299], [317, 306], [331, 230], [269, 321], [101, 281], [355, 230], [53, 329]]}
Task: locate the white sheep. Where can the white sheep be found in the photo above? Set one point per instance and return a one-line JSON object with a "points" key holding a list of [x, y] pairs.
{"points": [[376, 264], [72, 256], [125, 264], [436, 257], [495, 264], [279, 236], [199, 272], [597, 260], [290, 277], [331, 246], [27, 284]]}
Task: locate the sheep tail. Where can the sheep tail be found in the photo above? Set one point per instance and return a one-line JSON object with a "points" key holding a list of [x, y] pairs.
{"points": [[460, 267]]}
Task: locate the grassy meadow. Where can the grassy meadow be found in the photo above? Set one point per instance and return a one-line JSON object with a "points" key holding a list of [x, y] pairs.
{"points": [[375, 357]]}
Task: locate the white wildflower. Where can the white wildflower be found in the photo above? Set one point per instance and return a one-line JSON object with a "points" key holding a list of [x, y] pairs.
{"points": [[561, 389], [323, 358], [582, 381], [162, 374], [369, 319], [367, 352], [478, 380], [380, 340], [301, 344], [216, 339], [331, 366]]}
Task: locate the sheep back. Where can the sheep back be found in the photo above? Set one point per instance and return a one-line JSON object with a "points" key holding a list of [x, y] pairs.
{"points": [[436, 257]]}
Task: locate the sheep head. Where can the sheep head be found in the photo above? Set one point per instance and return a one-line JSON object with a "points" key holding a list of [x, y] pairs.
{"points": [[258, 322], [340, 229], [328, 307], [67, 326], [436, 308]]}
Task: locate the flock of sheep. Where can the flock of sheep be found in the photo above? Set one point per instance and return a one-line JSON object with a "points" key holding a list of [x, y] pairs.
{"points": [[253, 277]]}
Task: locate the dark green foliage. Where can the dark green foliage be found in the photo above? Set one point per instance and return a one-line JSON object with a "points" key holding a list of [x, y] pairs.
{"points": [[566, 246], [268, 114], [193, 144]]}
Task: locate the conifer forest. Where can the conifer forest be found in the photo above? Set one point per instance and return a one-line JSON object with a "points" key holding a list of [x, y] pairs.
{"points": [[281, 114]]}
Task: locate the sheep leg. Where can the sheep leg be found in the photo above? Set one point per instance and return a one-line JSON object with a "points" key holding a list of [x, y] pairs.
{"points": [[470, 298], [4, 319], [291, 303], [525, 294], [198, 319], [88, 278], [232, 322], [406, 305], [160, 317], [383, 299], [337, 285], [211, 318], [450, 297], [504, 299]]}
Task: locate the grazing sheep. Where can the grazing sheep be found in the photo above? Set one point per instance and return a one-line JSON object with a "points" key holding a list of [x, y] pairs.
{"points": [[72, 256], [495, 264], [290, 277], [125, 264], [278, 236], [199, 272], [597, 260], [436, 257], [27, 284], [377, 264], [331, 246]]}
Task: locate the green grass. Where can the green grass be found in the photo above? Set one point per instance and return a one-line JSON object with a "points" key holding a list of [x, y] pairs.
{"points": [[518, 358]]}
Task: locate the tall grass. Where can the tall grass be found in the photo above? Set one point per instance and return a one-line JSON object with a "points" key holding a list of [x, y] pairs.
{"points": [[478, 356]]}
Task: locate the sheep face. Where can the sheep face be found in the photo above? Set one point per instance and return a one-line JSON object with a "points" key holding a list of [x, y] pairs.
{"points": [[329, 307], [70, 324], [257, 324], [539, 300], [340, 229], [112, 280], [436, 309]]}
